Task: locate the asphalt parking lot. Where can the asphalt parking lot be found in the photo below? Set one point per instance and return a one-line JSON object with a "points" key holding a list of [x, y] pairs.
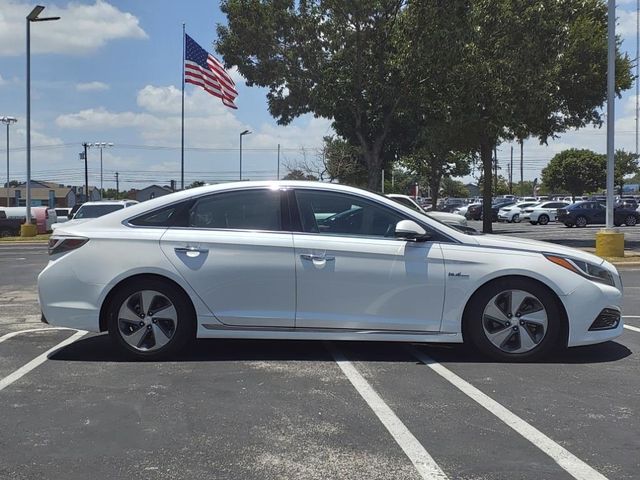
{"points": [[309, 410]]}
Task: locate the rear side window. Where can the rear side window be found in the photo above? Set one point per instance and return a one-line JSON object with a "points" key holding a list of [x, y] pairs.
{"points": [[164, 217], [241, 210]]}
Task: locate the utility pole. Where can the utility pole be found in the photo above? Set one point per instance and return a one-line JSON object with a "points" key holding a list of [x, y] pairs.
{"points": [[86, 173], [8, 121], [278, 174], [495, 171], [117, 185], [511, 173], [383, 181], [521, 163]]}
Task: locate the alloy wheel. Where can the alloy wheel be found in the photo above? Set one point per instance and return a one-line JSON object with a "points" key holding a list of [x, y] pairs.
{"points": [[147, 320], [581, 221], [516, 218], [515, 321], [630, 221]]}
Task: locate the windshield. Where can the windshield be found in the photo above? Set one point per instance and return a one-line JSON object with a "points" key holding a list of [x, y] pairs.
{"points": [[95, 211]]}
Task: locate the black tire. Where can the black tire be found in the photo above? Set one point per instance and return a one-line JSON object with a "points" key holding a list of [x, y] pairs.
{"points": [[474, 333], [5, 232], [581, 221], [533, 223], [567, 224], [515, 218], [631, 221], [543, 219], [617, 224], [185, 327]]}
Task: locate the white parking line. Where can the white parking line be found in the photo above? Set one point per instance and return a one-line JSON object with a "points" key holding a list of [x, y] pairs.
{"points": [[630, 316], [20, 332], [424, 463], [634, 329], [39, 360], [565, 459]]}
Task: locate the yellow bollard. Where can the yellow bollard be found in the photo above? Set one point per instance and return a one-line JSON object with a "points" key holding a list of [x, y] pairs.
{"points": [[609, 243], [27, 230]]}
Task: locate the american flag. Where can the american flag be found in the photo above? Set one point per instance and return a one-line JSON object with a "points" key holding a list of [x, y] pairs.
{"points": [[203, 69]]}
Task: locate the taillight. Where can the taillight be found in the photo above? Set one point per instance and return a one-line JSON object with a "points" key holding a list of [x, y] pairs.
{"points": [[65, 244]]}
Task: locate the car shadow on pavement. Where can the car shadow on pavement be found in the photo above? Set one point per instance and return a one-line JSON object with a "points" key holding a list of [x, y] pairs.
{"points": [[99, 348]]}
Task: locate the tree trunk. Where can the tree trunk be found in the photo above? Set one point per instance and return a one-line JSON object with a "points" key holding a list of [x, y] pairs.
{"points": [[486, 155], [373, 160], [434, 185]]}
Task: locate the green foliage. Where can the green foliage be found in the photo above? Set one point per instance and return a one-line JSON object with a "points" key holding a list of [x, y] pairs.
{"points": [[195, 184], [454, 188], [343, 162], [575, 171], [297, 174], [626, 163]]}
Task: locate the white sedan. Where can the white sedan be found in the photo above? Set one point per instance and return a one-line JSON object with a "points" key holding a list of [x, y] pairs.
{"points": [[512, 213], [543, 212], [306, 260]]}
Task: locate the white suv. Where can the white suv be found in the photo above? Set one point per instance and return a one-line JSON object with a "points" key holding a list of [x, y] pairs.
{"points": [[543, 213], [513, 213], [90, 210]]}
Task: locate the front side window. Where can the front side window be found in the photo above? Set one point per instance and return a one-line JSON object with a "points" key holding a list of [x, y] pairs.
{"points": [[333, 213], [243, 210]]}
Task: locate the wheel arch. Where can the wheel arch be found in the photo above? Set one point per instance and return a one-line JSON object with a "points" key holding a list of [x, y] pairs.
{"points": [[563, 312], [104, 308]]}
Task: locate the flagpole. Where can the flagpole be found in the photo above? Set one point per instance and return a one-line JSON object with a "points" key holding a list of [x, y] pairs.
{"points": [[182, 118]]}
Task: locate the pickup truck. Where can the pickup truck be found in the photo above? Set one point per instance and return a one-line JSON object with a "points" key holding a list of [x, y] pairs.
{"points": [[9, 226]]}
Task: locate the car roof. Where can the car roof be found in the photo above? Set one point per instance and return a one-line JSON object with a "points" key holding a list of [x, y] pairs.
{"points": [[110, 202]]}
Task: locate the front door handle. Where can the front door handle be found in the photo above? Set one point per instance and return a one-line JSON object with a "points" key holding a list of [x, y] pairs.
{"points": [[191, 250], [317, 258]]}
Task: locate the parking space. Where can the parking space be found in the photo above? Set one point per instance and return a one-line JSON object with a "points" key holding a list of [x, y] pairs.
{"points": [[285, 409]]}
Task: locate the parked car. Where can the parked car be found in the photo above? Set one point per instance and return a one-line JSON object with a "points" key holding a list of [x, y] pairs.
{"points": [[452, 219], [90, 210], [50, 217], [542, 213], [318, 261], [582, 214], [496, 206], [474, 211], [450, 204], [511, 213], [9, 227], [63, 214]]}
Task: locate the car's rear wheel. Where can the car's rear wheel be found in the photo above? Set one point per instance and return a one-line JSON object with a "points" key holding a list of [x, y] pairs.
{"points": [[150, 319], [631, 221], [513, 319], [581, 221], [543, 219], [516, 218], [567, 224]]}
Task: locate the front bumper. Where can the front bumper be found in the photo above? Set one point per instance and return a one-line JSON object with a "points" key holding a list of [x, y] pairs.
{"points": [[584, 305]]}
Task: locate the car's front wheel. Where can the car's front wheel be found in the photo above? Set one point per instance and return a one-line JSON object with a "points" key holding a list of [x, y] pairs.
{"points": [[543, 219], [515, 218], [631, 221], [581, 221], [513, 319], [150, 319]]}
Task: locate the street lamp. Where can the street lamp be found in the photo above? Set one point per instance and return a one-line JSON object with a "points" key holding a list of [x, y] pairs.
{"points": [[242, 134], [32, 17], [101, 146], [8, 121]]}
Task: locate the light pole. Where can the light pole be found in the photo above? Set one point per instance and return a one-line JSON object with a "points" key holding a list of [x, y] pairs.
{"points": [[242, 134], [8, 121], [101, 146], [32, 17]]}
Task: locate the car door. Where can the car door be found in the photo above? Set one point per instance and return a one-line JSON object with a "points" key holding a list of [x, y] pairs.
{"points": [[352, 273], [233, 251], [599, 213]]}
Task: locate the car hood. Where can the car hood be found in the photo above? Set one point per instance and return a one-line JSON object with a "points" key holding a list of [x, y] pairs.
{"points": [[523, 244], [447, 217]]}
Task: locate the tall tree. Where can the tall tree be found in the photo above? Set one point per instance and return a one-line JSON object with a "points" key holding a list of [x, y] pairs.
{"points": [[626, 163], [514, 68], [336, 59], [575, 171]]}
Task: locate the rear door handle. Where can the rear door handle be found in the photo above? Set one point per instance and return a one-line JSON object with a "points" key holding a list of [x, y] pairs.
{"points": [[191, 249], [317, 258]]}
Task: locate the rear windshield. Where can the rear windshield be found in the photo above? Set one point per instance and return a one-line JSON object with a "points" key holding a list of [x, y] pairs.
{"points": [[94, 211]]}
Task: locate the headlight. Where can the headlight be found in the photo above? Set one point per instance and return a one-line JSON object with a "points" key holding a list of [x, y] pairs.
{"points": [[588, 270]]}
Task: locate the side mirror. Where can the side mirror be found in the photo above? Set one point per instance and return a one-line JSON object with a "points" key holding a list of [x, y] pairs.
{"points": [[410, 230]]}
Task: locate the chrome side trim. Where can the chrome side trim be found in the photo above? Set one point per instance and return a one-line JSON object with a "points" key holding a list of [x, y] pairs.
{"points": [[242, 328]]}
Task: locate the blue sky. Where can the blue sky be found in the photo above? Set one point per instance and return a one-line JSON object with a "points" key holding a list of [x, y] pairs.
{"points": [[110, 71]]}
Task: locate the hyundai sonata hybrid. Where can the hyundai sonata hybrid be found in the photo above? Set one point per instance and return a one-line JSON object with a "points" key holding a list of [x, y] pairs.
{"points": [[308, 260]]}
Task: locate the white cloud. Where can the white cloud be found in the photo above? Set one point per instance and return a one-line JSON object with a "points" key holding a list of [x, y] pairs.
{"points": [[82, 28], [626, 24], [2, 81], [92, 87]]}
